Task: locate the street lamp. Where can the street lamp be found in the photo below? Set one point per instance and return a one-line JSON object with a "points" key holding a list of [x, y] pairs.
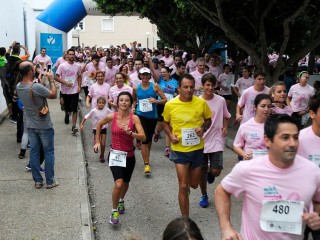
{"points": [[78, 29], [148, 35]]}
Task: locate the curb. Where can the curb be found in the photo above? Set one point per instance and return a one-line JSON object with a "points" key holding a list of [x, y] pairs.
{"points": [[4, 115]]}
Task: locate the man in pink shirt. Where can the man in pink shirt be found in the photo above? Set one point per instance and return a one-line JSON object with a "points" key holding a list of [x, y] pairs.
{"points": [[176, 60], [214, 137], [214, 67], [276, 201], [43, 59], [69, 75], [192, 64], [168, 60], [197, 74], [111, 71], [245, 103]]}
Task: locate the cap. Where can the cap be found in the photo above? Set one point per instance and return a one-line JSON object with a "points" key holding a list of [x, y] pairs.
{"points": [[155, 60], [130, 56], [144, 70]]}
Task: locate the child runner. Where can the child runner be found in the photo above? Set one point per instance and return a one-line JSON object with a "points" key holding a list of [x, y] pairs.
{"points": [[97, 113]]}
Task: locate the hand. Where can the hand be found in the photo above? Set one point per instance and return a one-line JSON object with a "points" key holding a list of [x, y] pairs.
{"points": [[247, 156], [69, 84], [88, 105], [79, 89], [224, 132], [239, 117], [153, 100], [199, 131], [230, 234], [81, 127], [174, 139], [302, 113], [14, 43], [312, 219], [49, 75], [96, 147]]}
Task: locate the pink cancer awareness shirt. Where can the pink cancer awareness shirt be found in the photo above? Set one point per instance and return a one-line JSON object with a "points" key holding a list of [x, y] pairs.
{"points": [[91, 68], [69, 72], [300, 96], [309, 145], [96, 115], [285, 110], [46, 60], [110, 74], [244, 83], [97, 91], [168, 61], [59, 61], [134, 79], [217, 70], [260, 180], [225, 80], [115, 91], [213, 139], [191, 65], [247, 101], [250, 136], [197, 77]]}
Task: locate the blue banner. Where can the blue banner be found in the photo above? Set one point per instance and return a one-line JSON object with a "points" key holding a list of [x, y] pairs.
{"points": [[53, 43]]}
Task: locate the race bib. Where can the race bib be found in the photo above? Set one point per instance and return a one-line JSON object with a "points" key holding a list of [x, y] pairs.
{"points": [[145, 105], [282, 216], [315, 158], [71, 80], [168, 96], [117, 158], [304, 119], [189, 137], [259, 152]]}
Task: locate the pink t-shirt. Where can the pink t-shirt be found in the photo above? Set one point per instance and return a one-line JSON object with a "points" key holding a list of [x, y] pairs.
{"points": [[191, 66], [225, 80], [300, 97], [134, 79], [213, 140], [91, 68], [97, 91], [244, 83], [96, 115], [69, 72], [115, 91], [247, 101], [250, 136], [197, 77], [260, 180], [46, 60], [59, 61], [285, 110], [217, 70], [168, 61], [110, 74], [309, 145]]}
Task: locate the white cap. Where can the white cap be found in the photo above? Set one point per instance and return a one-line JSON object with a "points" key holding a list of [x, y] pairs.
{"points": [[144, 70]]}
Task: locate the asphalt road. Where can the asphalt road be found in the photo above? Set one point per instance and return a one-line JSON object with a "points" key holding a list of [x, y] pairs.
{"points": [[152, 201]]}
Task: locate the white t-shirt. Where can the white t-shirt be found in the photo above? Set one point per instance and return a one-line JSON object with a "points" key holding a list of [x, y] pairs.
{"points": [[110, 74], [213, 139], [244, 83], [197, 78], [115, 91], [225, 80], [309, 145], [96, 115], [300, 96], [217, 70], [168, 61], [247, 101], [191, 66], [260, 180], [69, 72]]}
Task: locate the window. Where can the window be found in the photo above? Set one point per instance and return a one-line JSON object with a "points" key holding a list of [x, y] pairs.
{"points": [[107, 24], [80, 25]]}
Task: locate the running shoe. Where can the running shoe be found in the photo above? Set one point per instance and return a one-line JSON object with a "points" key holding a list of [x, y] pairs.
{"points": [[28, 167], [102, 160], [121, 207], [41, 170], [167, 152], [66, 119], [210, 178], [203, 201], [114, 218], [74, 129], [22, 153], [156, 136], [147, 169]]}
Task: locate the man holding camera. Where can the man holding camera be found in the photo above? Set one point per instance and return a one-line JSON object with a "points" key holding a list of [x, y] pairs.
{"points": [[43, 60]]}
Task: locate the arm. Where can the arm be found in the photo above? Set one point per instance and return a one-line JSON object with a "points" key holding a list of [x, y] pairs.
{"points": [[88, 101], [225, 126], [79, 79], [53, 89], [10, 48], [134, 95], [222, 201], [26, 52], [168, 130], [238, 113], [241, 152], [62, 81], [99, 125], [206, 124], [82, 124], [154, 72], [289, 101], [236, 91], [139, 134], [313, 218], [134, 44], [159, 91]]}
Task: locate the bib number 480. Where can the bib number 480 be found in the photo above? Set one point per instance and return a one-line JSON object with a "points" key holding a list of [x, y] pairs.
{"points": [[281, 209]]}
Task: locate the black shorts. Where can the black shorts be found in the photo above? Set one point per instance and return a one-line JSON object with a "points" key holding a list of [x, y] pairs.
{"points": [[227, 97], [103, 131], [160, 109], [148, 125], [71, 102], [61, 95], [124, 173]]}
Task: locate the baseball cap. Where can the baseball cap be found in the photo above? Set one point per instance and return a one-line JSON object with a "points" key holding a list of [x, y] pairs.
{"points": [[155, 60], [144, 70]]}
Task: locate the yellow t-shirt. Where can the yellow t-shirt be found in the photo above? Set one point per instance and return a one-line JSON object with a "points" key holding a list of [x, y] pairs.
{"points": [[186, 115]]}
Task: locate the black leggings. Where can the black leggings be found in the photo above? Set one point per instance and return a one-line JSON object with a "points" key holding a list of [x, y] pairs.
{"points": [[124, 173]]}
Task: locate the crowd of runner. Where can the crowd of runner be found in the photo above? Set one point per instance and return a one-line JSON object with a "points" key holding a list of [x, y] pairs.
{"points": [[140, 93]]}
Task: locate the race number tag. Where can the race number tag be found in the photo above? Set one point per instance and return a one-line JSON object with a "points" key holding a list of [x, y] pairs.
{"points": [[259, 152], [168, 96], [71, 79], [304, 119], [315, 158], [117, 158], [282, 216], [189, 137], [145, 105]]}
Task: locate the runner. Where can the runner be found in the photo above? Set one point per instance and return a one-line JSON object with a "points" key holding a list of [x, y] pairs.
{"points": [[125, 126], [249, 141], [278, 93], [278, 186], [185, 119], [214, 137]]}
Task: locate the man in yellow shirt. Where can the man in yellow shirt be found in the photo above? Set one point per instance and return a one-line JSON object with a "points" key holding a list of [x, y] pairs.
{"points": [[186, 118]]}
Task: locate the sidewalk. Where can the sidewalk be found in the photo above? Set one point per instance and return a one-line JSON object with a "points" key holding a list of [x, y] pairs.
{"points": [[58, 213]]}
